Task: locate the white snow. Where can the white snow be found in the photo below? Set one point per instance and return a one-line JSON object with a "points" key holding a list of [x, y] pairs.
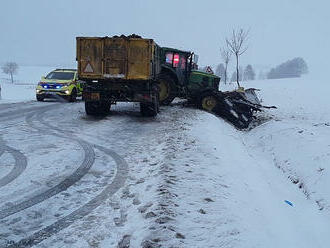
{"points": [[251, 174], [193, 180], [249, 194]]}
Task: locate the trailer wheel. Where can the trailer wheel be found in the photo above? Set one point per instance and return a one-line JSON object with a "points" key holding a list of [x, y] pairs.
{"points": [[97, 108], [150, 109], [208, 102], [167, 89], [105, 108], [91, 108]]}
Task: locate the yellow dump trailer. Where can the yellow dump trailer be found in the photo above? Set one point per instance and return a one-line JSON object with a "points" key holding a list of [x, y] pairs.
{"points": [[119, 69], [116, 58]]}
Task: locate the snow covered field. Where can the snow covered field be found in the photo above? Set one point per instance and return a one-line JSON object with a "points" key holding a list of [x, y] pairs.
{"points": [[184, 179], [24, 85]]}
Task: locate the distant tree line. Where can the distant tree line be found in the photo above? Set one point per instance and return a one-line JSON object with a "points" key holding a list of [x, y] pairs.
{"points": [[289, 69], [245, 74]]}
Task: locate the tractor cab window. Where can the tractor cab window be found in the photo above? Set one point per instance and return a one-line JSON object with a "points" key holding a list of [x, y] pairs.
{"points": [[193, 59], [169, 58], [183, 62], [176, 60]]}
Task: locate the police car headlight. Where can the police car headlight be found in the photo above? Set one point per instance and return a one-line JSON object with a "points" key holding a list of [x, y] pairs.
{"points": [[67, 92]]}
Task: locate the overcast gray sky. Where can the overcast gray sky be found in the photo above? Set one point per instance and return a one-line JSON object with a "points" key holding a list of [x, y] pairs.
{"points": [[42, 32]]}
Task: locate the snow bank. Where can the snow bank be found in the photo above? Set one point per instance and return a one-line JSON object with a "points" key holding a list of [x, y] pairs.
{"points": [[267, 187], [296, 141]]}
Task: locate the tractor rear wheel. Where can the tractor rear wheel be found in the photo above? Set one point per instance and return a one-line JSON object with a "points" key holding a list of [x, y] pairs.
{"points": [[167, 89]]}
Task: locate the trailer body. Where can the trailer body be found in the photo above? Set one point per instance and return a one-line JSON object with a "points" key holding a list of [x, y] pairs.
{"points": [[118, 69], [106, 58]]}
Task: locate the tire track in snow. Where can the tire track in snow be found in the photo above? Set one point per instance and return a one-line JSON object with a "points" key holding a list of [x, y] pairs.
{"points": [[117, 183], [21, 112], [19, 167], [2, 149], [89, 158]]}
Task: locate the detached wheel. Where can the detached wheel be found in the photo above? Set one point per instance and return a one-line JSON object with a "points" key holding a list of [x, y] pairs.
{"points": [[167, 89], [40, 98], [208, 102]]}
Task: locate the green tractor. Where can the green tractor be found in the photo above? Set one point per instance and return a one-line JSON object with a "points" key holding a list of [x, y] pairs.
{"points": [[179, 77]]}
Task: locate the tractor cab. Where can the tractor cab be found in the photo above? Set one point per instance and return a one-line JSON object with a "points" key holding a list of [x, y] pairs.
{"points": [[182, 76], [178, 62]]}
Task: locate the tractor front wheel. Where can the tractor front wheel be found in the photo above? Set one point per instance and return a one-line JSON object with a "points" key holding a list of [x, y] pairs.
{"points": [[208, 102]]}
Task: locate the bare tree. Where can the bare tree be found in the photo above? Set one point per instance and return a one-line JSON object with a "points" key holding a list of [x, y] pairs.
{"points": [[10, 68], [236, 45], [226, 55]]}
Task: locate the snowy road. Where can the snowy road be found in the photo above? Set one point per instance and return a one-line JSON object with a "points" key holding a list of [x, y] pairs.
{"points": [[29, 196], [68, 180], [183, 179]]}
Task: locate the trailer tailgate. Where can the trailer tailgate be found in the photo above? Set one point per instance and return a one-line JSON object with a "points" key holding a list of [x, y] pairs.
{"points": [[115, 58]]}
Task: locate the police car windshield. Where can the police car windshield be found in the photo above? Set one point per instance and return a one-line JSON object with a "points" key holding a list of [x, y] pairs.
{"points": [[60, 75]]}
